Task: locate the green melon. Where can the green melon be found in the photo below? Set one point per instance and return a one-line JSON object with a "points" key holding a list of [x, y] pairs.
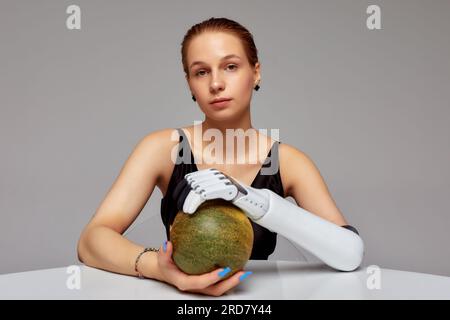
{"points": [[217, 235]]}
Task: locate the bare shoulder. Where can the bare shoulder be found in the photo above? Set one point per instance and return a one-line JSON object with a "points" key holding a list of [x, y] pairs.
{"points": [[162, 146], [159, 145], [290, 152], [304, 182], [135, 183], [160, 137], [292, 160], [296, 167]]}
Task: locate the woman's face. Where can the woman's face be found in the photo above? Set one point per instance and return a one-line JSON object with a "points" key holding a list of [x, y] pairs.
{"points": [[212, 76]]}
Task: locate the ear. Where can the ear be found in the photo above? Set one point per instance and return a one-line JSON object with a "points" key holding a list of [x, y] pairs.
{"points": [[257, 75]]}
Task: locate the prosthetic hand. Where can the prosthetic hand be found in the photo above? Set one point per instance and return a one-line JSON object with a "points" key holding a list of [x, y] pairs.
{"points": [[339, 247]]}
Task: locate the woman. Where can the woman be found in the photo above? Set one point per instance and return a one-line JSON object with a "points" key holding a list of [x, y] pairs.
{"points": [[220, 61]]}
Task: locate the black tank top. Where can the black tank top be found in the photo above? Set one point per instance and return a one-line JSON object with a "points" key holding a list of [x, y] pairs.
{"points": [[264, 241]]}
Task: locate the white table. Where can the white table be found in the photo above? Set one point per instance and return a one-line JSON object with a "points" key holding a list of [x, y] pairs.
{"points": [[270, 280]]}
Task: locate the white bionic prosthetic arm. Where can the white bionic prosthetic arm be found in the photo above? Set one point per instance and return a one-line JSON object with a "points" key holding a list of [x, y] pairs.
{"points": [[339, 247]]}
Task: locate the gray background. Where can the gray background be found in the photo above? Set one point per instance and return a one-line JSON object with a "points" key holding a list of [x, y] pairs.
{"points": [[371, 108]]}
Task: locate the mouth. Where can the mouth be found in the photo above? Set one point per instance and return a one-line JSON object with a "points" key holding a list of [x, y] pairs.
{"points": [[220, 100], [220, 103]]}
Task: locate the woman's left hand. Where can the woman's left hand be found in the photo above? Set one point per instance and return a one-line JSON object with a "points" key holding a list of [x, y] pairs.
{"points": [[202, 185]]}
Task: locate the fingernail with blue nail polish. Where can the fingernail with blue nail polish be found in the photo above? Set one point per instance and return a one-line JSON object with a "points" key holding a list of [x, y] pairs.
{"points": [[245, 275], [224, 272], [165, 246]]}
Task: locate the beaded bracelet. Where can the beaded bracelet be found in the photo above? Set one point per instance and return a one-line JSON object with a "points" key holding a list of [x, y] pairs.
{"points": [[139, 256]]}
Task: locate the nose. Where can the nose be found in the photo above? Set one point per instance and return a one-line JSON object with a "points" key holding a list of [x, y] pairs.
{"points": [[217, 84]]}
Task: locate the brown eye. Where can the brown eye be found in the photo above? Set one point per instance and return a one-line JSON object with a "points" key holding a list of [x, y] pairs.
{"points": [[232, 65], [198, 72]]}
